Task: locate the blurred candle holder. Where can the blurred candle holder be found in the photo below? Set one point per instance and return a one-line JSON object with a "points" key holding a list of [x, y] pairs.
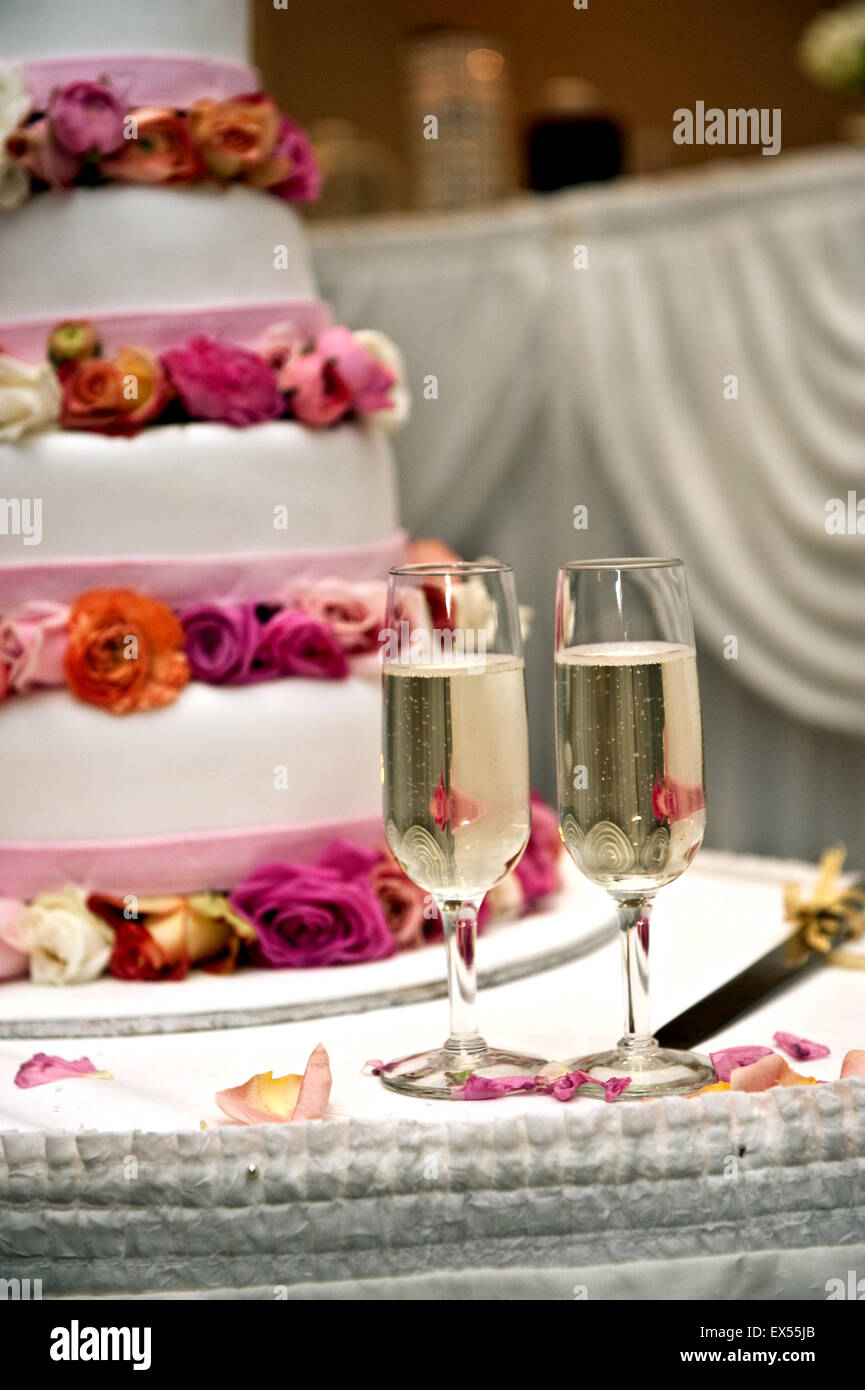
{"points": [[460, 121]]}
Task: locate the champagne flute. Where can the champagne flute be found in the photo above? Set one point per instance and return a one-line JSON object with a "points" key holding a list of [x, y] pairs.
{"points": [[455, 767], [630, 774]]}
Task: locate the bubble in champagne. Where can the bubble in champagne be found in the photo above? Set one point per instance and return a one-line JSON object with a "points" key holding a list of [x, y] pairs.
{"points": [[607, 849]]}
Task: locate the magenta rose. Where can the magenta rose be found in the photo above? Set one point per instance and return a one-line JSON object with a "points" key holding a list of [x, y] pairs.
{"points": [[316, 914], [355, 612], [87, 118], [293, 644], [220, 381], [34, 146], [33, 642], [537, 870], [303, 183], [221, 641], [316, 393], [367, 381]]}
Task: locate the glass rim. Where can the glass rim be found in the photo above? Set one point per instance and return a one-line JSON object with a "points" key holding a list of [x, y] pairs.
{"points": [[460, 567], [631, 562]]}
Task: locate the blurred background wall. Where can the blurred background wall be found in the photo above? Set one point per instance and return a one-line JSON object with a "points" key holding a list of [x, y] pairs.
{"points": [[341, 58]]}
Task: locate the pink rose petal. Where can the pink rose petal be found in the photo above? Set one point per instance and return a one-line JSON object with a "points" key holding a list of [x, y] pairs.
{"points": [[315, 1086], [564, 1088], [492, 1087], [42, 1068], [769, 1071], [728, 1058], [854, 1063], [267, 1099], [800, 1049]]}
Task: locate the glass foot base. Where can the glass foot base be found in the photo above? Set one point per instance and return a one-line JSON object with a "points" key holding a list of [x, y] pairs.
{"points": [[654, 1071], [433, 1075]]}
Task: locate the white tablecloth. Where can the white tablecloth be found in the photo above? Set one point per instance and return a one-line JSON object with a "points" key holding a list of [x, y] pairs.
{"points": [[114, 1187]]}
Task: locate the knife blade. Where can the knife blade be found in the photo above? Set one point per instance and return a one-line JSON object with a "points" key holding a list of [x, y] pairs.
{"points": [[767, 976]]}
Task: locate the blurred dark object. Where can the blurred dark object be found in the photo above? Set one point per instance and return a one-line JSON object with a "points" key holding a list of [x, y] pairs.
{"points": [[574, 141]]}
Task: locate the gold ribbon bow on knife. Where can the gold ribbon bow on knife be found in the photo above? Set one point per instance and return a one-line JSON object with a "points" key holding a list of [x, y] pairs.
{"points": [[832, 914]]}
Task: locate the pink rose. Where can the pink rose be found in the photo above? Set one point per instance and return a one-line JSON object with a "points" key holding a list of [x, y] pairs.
{"points": [[14, 959], [33, 146], [317, 394], [302, 184], [537, 868], [33, 641], [368, 381], [87, 118], [355, 612], [294, 644], [315, 914], [402, 902], [279, 343], [220, 381]]}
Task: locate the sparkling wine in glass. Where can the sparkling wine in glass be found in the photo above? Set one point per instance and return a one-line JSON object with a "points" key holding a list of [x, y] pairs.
{"points": [[457, 805], [632, 809]]}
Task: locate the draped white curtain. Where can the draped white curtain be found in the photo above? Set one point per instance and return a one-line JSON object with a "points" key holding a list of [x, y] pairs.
{"points": [[604, 386]]}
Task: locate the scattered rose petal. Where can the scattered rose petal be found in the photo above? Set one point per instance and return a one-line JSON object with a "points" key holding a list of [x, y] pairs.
{"points": [[854, 1063], [729, 1058], [492, 1087], [268, 1099], [263, 1099], [43, 1068], [714, 1086], [800, 1049], [315, 1086], [615, 1086], [551, 1071], [768, 1071], [374, 1066]]}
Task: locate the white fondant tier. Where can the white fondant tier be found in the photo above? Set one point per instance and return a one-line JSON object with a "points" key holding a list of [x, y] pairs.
{"points": [[46, 29], [209, 761], [200, 489], [129, 247]]}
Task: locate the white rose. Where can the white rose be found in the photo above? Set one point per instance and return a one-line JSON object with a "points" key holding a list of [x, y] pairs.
{"points": [[379, 346], [30, 396], [67, 943], [14, 100]]}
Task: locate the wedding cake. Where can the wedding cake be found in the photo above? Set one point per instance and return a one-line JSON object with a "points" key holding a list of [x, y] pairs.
{"points": [[197, 497]]}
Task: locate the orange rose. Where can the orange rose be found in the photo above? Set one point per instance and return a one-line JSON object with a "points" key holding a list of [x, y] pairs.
{"points": [[125, 651], [90, 388], [115, 397], [162, 152], [234, 137]]}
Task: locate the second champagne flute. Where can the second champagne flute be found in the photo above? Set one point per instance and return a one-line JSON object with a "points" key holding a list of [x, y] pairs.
{"points": [[457, 804]]}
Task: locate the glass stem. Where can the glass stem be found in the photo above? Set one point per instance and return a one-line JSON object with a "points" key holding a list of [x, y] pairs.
{"points": [[634, 915], [460, 923]]}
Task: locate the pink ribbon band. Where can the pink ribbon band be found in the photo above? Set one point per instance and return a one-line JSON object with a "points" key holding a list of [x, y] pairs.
{"points": [[144, 79], [260, 576], [191, 863], [157, 330]]}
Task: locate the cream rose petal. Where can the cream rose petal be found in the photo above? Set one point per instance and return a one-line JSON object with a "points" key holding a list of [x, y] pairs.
{"points": [[30, 396], [68, 945]]}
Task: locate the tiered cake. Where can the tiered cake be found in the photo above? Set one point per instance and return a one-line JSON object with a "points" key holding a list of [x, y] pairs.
{"points": [[178, 781]]}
